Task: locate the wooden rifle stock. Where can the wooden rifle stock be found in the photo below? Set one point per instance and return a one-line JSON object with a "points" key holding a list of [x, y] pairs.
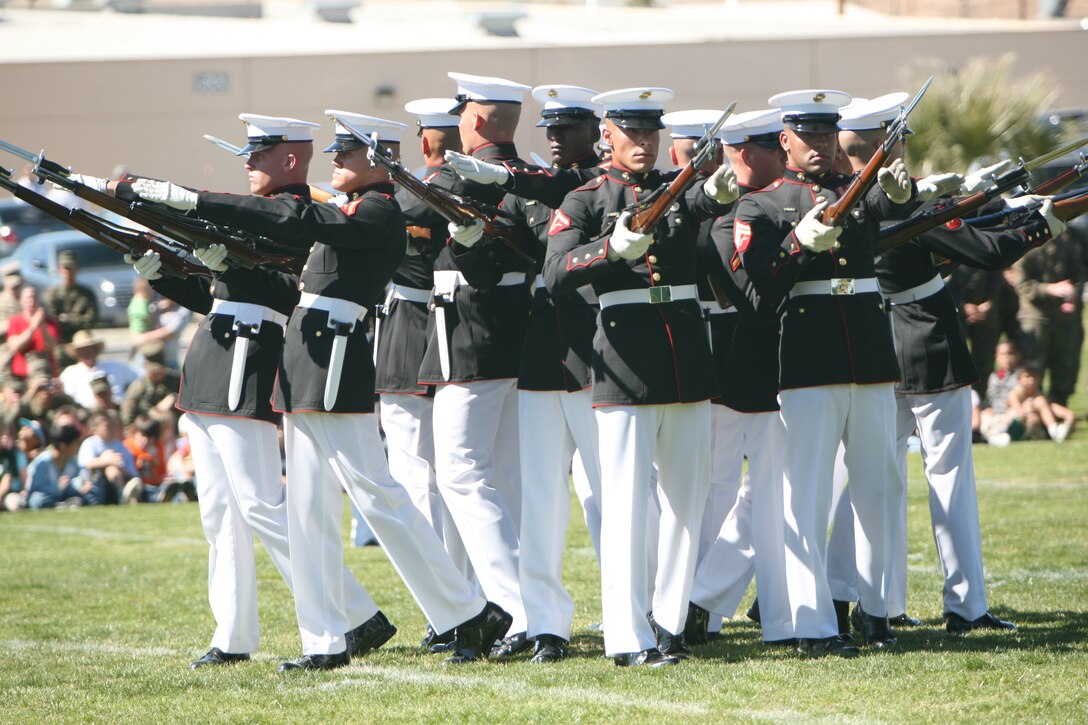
{"points": [[1060, 182], [644, 220], [1071, 208], [835, 212]]}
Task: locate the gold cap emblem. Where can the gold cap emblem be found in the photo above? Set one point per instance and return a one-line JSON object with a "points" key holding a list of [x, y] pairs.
{"points": [[644, 95], [819, 97], [552, 93]]}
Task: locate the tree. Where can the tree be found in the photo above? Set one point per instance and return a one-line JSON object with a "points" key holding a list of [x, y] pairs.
{"points": [[979, 114]]}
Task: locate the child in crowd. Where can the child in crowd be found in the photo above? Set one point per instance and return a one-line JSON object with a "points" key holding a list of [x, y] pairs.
{"points": [[12, 497], [107, 464], [145, 444], [1041, 417], [999, 425], [53, 476]]}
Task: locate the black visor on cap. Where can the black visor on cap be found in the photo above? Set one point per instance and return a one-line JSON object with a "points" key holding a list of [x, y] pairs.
{"points": [[565, 116], [766, 140], [812, 122], [343, 143], [263, 143], [638, 119]]}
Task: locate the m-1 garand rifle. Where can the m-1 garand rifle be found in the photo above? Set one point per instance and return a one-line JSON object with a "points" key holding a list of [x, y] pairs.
{"points": [[836, 211], [316, 193], [118, 238], [1069, 205], [451, 207], [244, 250], [896, 234], [646, 215]]}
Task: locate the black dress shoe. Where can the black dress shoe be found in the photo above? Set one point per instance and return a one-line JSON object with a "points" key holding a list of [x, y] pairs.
{"points": [[695, 628], [647, 657], [217, 656], [955, 624], [876, 631], [842, 617], [317, 662], [474, 638], [669, 644], [549, 648], [512, 645], [904, 620], [436, 642], [370, 635], [826, 646], [753, 611]]}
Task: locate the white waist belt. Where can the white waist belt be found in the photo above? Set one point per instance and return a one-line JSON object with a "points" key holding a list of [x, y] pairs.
{"points": [[650, 295], [714, 308], [447, 281], [248, 314], [836, 286], [538, 283], [411, 294], [920, 292], [339, 310]]}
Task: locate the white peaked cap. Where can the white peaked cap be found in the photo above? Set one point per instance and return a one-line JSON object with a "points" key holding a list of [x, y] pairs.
{"points": [[863, 115], [690, 124], [741, 127], [486, 89], [433, 112]]}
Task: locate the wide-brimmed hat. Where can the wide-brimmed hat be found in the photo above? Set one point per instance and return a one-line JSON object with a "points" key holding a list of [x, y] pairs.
{"points": [[84, 339]]}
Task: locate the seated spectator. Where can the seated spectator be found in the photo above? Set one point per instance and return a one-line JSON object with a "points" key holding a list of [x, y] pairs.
{"points": [[12, 407], [107, 464], [145, 444], [155, 392], [12, 496], [32, 334], [53, 478], [76, 379], [179, 468], [103, 396], [999, 424], [43, 398], [1041, 417], [29, 442]]}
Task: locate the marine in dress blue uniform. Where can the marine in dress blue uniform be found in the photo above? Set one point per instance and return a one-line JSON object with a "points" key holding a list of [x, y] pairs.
{"points": [[652, 372], [837, 360]]}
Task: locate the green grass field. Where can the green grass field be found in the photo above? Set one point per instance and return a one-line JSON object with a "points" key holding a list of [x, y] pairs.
{"points": [[101, 611]]}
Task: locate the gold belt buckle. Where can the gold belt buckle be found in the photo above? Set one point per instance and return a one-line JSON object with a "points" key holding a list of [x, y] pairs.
{"points": [[660, 294], [842, 286]]}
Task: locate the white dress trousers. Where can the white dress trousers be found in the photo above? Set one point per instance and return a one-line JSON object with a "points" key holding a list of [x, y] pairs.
{"points": [[632, 440], [842, 568], [943, 423], [479, 477], [752, 537], [816, 420], [326, 454], [409, 442], [240, 490], [552, 424]]}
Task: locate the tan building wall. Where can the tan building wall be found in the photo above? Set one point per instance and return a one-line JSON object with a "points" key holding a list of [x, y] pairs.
{"points": [[148, 115], [1022, 9]]}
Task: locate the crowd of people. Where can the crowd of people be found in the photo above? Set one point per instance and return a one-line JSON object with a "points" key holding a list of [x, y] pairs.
{"points": [[76, 430], [647, 360]]}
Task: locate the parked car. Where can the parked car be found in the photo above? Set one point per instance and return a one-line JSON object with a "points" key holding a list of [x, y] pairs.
{"points": [[100, 268], [19, 221]]}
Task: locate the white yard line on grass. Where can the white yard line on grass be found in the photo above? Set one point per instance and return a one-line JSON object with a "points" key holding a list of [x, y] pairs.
{"points": [[91, 647], [113, 535], [511, 688], [1033, 485]]}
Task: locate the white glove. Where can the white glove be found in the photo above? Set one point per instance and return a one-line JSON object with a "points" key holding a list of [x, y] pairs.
{"points": [[165, 193], [214, 257], [467, 236], [895, 181], [475, 170], [626, 244], [936, 185], [721, 186], [1056, 225], [814, 235], [92, 181], [982, 178], [1016, 202], [147, 266]]}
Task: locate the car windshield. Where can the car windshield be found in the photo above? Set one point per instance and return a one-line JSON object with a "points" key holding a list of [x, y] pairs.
{"points": [[93, 255], [29, 221]]}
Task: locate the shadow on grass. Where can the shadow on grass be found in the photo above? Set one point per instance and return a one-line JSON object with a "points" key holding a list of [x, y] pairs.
{"points": [[1054, 631]]}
